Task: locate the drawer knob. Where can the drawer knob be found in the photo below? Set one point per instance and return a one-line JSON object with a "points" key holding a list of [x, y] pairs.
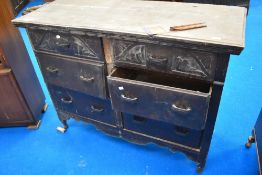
{"points": [[96, 109], [52, 69], [67, 100], [58, 36], [129, 99], [86, 79], [181, 109]]}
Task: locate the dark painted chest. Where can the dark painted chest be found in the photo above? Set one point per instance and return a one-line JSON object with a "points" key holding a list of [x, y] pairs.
{"points": [[127, 74], [257, 138]]}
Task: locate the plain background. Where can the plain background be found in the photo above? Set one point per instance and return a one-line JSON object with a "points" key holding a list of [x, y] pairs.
{"points": [[84, 150]]}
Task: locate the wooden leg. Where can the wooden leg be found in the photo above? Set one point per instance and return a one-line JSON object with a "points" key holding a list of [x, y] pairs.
{"points": [[63, 118], [45, 108], [36, 126], [200, 166], [64, 128], [250, 141]]}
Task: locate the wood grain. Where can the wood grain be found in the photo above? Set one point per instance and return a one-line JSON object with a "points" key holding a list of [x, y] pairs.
{"points": [[23, 81], [13, 107]]}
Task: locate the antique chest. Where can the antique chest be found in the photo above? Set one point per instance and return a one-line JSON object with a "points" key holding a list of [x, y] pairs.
{"points": [[257, 137], [18, 5], [117, 65], [242, 3], [21, 97]]}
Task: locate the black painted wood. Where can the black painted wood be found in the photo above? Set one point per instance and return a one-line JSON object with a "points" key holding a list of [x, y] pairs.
{"points": [[18, 5], [242, 3], [159, 97], [163, 90], [82, 46], [164, 59], [83, 76], [83, 105], [162, 130], [258, 138]]}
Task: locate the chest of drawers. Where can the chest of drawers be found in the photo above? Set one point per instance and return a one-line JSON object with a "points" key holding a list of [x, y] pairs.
{"points": [[242, 3], [18, 5], [22, 100], [257, 137], [121, 69]]}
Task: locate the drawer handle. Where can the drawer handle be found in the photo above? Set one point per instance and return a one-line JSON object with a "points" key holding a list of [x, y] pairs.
{"points": [[139, 119], [96, 109], [159, 61], [179, 109], [67, 100], [128, 98], [86, 79], [52, 69]]}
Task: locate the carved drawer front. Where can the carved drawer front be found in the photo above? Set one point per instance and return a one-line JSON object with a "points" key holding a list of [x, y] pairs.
{"points": [[83, 76], [67, 44], [162, 130], [160, 97], [82, 105], [167, 59]]}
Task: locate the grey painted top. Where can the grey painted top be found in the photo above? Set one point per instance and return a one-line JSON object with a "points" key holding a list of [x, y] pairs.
{"points": [[225, 24]]}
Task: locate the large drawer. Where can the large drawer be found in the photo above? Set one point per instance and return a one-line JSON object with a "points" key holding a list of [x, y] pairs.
{"points": [[84, 76], [67, 44], [160, 97], [82, 105], [185, 62], [161, 130]]}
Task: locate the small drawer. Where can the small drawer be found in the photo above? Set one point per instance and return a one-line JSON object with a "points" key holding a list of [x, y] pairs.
{"points": [[162, 130], [84, 76], [184, 62], [67, 44], [160, 97], [82, 105]]}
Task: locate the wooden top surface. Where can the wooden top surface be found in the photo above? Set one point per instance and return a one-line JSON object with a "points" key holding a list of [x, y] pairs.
{"points": [[225, 24]]}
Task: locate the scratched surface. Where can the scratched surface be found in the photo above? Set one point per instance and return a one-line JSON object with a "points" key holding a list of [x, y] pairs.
{"points": [[225, 25], [164, 58], [74, 45]]}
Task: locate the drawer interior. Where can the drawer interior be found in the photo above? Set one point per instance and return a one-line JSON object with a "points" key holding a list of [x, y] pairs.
{"points": [[162, 79]]}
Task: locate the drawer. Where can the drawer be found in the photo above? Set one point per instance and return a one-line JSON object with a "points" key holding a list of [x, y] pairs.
{"points": [[67, 44], [184, 62], [81, 104], [84, 76], [160, 97], [162, 130]]}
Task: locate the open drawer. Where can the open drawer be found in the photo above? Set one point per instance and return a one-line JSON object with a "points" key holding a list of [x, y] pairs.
{"points": [[160, 97]]}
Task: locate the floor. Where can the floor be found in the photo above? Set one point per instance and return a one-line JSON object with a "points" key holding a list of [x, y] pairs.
{"points": [[84, 150]]}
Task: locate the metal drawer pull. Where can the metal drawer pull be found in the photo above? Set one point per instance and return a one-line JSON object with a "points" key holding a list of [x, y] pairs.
{"points": [[96, 109], [67, 100], [179, 109], [52, 69], [128, 98], [86, 79], [161, 61]]}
